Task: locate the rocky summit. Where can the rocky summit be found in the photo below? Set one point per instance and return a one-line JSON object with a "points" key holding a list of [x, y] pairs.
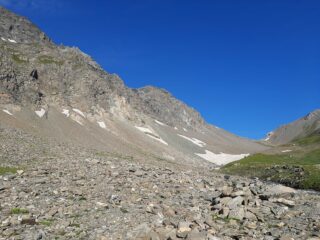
{"points": [[82, 156]]}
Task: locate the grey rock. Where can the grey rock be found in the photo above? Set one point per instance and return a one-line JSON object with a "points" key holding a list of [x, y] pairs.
{"points": [[237, 213], [235, 202]]}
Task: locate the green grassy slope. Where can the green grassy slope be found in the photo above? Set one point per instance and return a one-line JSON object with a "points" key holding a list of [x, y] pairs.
{"points": [[299, 168]]}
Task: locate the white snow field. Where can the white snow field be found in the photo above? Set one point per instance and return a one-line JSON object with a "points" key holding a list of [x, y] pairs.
{"points": [[160, 123], [285, 151], [268, 136], [221, 158], [144, 130], [66, 112], [158, 139], [7, 112], [153, 135], [12, 41], [40, 113], [78, 121], [102, 125], [77, 118], [194, 141], [79, 112]]}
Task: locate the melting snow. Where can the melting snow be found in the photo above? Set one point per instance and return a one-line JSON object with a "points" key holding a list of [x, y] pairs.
{"points": [[268, 136], [40, 113], [78, 121], [194, 140], [7, 112], [221, 158], [158, 139], [147, 131], [288, 150], [66, 112], [12, 41], [160, 123], [77, 118], [79, 112], [102, 125]]}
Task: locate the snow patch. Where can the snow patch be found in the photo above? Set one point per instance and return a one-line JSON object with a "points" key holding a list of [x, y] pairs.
{"points": [[268, 136], [66, 112], [158, 139], [194, 140], [175, 128], [79, 112], [221, 158], [151, 134], [3, 39], [77, 118], [102, 125], [7, 112], [144, 130], [78, 121], [160, 123], [287, 150], [185, 130], [12, 41], [40, 113]]}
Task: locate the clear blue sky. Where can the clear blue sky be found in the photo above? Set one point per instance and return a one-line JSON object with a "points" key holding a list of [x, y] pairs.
{"points": [[246, 66]]}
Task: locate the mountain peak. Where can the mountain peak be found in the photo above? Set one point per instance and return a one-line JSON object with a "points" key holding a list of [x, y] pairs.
{"points": [[315, 113], [295, 130]]}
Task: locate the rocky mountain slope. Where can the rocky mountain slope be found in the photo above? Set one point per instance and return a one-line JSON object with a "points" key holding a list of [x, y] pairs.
{"points": [[82, 156], [298, 129], [51, 190], [60, 92]]}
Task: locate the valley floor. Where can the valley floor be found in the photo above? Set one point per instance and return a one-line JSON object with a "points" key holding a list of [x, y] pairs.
{"points": [[50, 190], [296, 164]]}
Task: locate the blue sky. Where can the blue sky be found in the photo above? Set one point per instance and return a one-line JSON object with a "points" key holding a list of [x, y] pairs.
{"points": [[246, 66]]}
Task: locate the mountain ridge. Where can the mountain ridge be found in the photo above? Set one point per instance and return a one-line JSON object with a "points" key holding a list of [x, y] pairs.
{"points": [[82, 156], [63, 83], [295, 130], [115, 83]]}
